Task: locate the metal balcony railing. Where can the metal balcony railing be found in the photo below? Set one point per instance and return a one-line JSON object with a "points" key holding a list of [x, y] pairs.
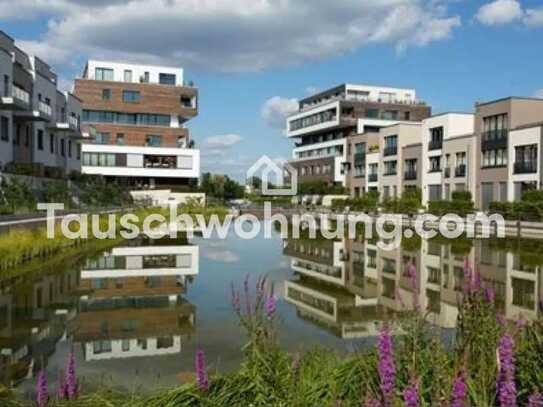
{"points": [[410, 175], [73, 122], [390, 151], [494, 139], [372, 178], [460, 171], [435, 145], [525, 167]]}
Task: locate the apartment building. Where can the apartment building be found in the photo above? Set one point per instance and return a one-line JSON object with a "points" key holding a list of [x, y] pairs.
{"points": [[139, 113], [326, 121], [497, 126], [400, 153], [448, 156], [39, 124]]}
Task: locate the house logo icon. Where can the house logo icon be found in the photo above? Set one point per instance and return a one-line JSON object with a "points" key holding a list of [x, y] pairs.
{"points": [[270, 168]]}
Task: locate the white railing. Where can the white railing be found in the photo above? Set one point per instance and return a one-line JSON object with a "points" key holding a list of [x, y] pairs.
{"points": [[45, 108], [359, 98], [20, 94], [73, 122]]}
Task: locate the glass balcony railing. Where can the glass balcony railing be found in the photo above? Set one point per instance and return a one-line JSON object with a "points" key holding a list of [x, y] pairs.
{"points": [[410, 175], [494, 139], [435, 145], [372, 178], [393, 150], [21, 94], [45, 108]]}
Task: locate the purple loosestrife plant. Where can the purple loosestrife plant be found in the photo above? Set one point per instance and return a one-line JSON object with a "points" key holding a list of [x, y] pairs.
{"points": [[42, 390], [386, 368], [201, 375], [412, 271], [271, 306], [490, 295], [460, 391], [411, 396], [372, 403], [61, 391], [235, 300], [247, 296], [71, 378], [535, 400], [507, 391]]}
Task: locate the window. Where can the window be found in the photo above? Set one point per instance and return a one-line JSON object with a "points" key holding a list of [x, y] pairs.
{"points": [[391, 145], [436, 138], [134, 119], [106, 94], [166, 79], [127, 75], [145, 77], [159, 161], [314, 119], [101, 347], [494, 158], [4, 128], [102, 138], [62, 147], [120, 139], [103, 74], [390, 167], [434, 192], [6, 85], [70, 148], [125, 345], [153, 140], [186, 101], [78, 151], [525, 159], [131, 96], [52, 143], [40, 140], [435, 164], [390, 115], [99, 159]]}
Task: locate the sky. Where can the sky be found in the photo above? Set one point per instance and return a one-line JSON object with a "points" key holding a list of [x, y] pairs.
{"points": [[253, 59]]}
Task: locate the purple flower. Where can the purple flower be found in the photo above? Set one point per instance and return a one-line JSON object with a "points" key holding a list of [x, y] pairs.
{"points": [[62, 391], [372, 403], [411, 395], [71, 379], [535, 400], [507, 391], [201, 375], [490, 294], [235, 300], [247, 296], [42, 390], [271, 305], [387, 371], [460, 391], [475, 286], [296, 363]]}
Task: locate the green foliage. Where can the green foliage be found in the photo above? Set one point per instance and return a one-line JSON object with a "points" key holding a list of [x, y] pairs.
{"points": [[409, 203], [221, 187], [96, 192], [535, 195], [531, 211], [58, 192], [16, 196], [455, 206], [320, 188], [366, 203]]}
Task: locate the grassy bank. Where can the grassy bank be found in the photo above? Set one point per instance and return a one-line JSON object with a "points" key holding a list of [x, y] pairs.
{"points": [[20, 247], [490, 363]]}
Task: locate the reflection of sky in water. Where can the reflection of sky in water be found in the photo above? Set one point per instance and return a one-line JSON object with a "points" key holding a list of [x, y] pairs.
{"points": [[216, 328]]}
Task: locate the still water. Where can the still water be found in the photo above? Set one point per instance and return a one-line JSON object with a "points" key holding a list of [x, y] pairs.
{"points": [[135, 314]]}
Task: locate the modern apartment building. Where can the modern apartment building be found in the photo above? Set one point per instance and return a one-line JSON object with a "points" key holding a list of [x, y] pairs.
{"points": [[325, 122], [400, 153], [39, 124], [139, 114], [448, 156], [497, 126]]}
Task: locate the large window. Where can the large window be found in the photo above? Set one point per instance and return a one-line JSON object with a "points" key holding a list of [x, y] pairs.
{"points": [[390, 167], [166, 78], [131, 96], [40, 139], [134, 119], [314, 119], [106, 94], [391, 145], [99, 159], [526, 159], [127, 76], [436, 138], [152, 140], [103, 74], [435, 164], [160, 161], [494, 158], [102, 138]]}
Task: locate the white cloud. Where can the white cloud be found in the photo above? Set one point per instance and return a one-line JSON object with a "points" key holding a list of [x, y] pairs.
{"points": [[276, 109], [223, 141], [534, 17], [539, 94], [500, 12], [232, 35]]}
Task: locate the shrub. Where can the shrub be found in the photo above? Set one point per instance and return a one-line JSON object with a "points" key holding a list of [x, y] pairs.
{"points": [[535, 195]]}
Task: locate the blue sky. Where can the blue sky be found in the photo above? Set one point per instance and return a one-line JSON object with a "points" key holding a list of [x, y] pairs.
{"points": [[241, 53]]}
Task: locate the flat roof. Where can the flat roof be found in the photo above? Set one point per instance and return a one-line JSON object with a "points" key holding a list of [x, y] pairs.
{"points": [[509, 98]]}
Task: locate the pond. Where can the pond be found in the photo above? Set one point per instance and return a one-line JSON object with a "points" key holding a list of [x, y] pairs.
{"points": [[135, 314]]}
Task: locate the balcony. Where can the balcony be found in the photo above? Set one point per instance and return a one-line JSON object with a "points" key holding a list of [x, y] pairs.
{"points": [[19, 99], [390, 151], [435, 145], [360, 159], [494, 139], [460, 171], [525, 167], [447, 172], [372, 177], [410, 175], [45, 108]]}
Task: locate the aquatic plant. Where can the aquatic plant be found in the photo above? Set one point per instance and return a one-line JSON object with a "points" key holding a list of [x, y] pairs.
{"points": [[507, 391], [271, 304], [71, 378], [460, 391], [386, 368], [202, 379], [411, 394], [42, 390]]}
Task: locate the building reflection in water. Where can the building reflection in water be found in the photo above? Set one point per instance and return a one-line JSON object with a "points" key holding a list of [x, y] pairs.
{"points": [[348, 287], [126, 302]]}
